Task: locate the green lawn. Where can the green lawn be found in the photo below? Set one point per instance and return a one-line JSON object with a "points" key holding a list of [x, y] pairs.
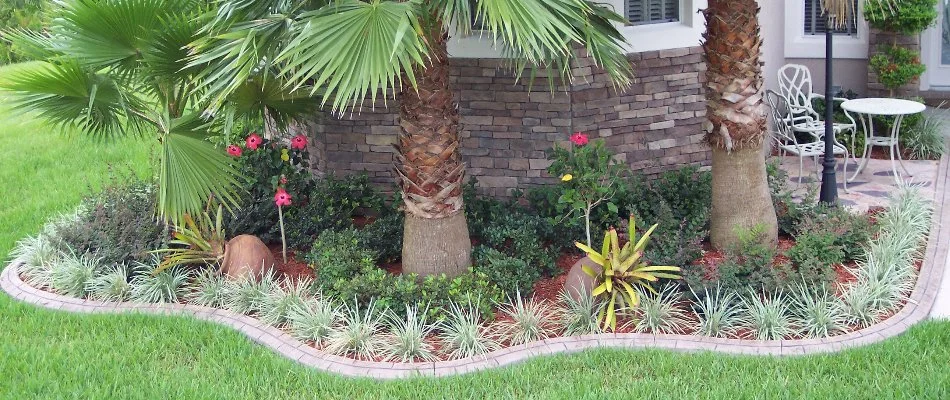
{"points": [[54, 355]]}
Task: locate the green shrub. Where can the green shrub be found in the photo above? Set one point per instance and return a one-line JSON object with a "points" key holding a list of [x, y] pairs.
{"points": [[19, 14], [331, 204], [384, 236], [897, 66], [747, 264], [790, 212], [511, 275], [339, 256], [812, 258], [118, 224], [521, 236], [851, 232], [905, 16]]}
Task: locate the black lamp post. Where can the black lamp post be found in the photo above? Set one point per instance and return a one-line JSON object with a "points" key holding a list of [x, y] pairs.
{"points": [[829, 184]]}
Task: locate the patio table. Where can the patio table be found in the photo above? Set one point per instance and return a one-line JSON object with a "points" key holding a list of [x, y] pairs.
{"points": [[866, 109]]}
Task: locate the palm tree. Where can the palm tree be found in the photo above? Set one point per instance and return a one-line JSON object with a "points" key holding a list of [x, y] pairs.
{"points": [[117, 67], [352, 51], [736, 126]]}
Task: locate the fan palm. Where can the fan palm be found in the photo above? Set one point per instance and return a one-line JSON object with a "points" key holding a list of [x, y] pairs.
{"points": [[736, 125], [351, 52], [117, 67]]}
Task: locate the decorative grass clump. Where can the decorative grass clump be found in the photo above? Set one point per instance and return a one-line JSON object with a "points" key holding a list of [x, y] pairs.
{"points": [[526, 320], [817, 313], [358, 332], [37, 254], [464, 334], [579, 316], [246, 294], [767, 316], [112, 285], [71, 274], [209, 289], [168, 286], [719, 313], [313, 319], [407, 337], [277, 303], [659, 312]]}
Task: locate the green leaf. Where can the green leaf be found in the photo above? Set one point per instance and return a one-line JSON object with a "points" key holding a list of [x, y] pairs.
{"points": [[613, 208]]}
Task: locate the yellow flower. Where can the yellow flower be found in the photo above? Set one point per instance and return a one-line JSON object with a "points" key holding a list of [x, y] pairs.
{"points": [[567, 178], [284, 155]]}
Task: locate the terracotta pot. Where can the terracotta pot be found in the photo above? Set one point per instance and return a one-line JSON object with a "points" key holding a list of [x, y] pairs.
{"points": [[246, 255], [579, 283]]}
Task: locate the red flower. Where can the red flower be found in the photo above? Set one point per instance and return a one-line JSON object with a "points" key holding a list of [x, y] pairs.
{"points": [[299, 142], [579, 139], [234, 150], [281, 198], [254, 141]]}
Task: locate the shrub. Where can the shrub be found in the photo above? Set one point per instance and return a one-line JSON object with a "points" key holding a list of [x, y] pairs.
{"points": [[19, 14], [339, 256], [906, 16], [790, 212], [330, 205], [897, 66], [510, 274], [521, 236], [384, 237], [527, 320], [407, 340], [463, 333], [747, 264], [118, 225], [812, 258], [543, 202]]}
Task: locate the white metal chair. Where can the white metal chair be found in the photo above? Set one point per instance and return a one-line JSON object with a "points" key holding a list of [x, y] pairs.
{"points": [[787, 142], [795, 87]]}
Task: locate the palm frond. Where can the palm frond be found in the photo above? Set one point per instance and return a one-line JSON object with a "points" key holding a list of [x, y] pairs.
{"points": [[192, 170], [840, 11], [354, 50], [33, 44], [67, 95]]}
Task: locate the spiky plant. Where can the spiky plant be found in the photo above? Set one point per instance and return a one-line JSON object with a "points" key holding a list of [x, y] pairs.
{"points": [[277, 303], [579, 316], [71, 274], [859, 302], [112, 285], [407, 338], [660, 312], [313, 319], [767, 316], [168, 286], [209, 289], [245, 295], [719, 313], [817, 313], [358, 332], [927, 140], [527, 320], [464, 334], [37, 254]]}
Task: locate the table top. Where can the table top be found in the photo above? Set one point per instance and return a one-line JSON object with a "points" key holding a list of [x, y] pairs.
{"points": [[883, 106]]}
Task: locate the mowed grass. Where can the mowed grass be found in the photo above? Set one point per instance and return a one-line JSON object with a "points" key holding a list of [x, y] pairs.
{"points": [[55, 355]]}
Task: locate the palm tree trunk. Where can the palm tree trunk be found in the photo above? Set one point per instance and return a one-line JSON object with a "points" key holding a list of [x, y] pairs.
{"points": [[436, 238], [736, 126]]}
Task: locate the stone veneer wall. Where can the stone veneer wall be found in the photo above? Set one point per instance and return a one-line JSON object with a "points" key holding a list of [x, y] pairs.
{"points": [[880, 38], [654, 126]]}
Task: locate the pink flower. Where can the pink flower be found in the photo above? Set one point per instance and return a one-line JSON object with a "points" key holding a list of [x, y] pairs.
{"points": [[579, 139], [234, 150], [254, 141], [299, 142], [282, 198]]}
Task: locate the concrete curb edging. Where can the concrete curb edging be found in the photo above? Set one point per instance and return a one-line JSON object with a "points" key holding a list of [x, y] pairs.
{"points": [[917, 309]]}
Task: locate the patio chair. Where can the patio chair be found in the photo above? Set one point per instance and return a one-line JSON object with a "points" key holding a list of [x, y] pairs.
{"points": [[795, 87], [787, 142]]}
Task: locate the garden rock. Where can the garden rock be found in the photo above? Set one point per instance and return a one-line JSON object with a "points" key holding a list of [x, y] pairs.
{"points": [[246, 255], [579, 283]]}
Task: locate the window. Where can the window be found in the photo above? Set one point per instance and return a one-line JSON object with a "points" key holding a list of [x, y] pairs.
{"points": [[815, 20], [642, 12]]}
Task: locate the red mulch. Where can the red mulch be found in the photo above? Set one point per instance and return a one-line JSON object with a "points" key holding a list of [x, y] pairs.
{"points": [[293, 268]]}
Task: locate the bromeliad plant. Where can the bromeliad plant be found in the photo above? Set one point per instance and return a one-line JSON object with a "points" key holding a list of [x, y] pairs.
{"points": [[195, 242], [623, 269], [590, 176]]}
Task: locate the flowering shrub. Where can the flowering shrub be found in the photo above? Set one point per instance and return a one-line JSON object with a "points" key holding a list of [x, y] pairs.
{"points": [[268, 165], [897, 66], [590, 174]]}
